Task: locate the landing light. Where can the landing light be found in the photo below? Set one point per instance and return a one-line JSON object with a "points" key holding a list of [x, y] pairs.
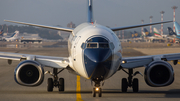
{"points": [[123, 61], [97, 89]]}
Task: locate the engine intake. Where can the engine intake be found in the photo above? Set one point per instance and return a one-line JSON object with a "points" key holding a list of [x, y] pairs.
{"points": [[159, 73], [29, 73]]}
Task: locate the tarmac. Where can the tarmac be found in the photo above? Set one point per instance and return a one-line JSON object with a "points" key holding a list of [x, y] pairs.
{"points": [[111, 91]]}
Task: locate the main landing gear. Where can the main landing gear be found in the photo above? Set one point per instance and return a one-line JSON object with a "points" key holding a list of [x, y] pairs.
{"points": [[130, 82], [54, 82], [97, 89]]}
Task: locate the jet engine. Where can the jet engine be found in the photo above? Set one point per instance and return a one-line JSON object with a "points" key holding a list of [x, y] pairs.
{"points": [[159, 73], [29, 73]]}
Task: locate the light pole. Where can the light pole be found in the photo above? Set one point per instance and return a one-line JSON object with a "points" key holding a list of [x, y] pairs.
{"points": [[174, 7], [162, 13]]}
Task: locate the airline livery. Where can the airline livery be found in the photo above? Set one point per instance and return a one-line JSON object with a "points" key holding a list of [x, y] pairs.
{"points": [[177, 27], [95, 54], [1, 32], [156, 33], [172, 33]]}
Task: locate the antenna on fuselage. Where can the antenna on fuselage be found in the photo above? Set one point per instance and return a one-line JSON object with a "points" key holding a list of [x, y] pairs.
{"points": [[90, 12]]}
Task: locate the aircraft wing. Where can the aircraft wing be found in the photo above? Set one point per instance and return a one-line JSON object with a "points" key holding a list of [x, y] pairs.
{"points": [[140, 61], [48, 61], [135, 26], [43, 26], [171, 36]]}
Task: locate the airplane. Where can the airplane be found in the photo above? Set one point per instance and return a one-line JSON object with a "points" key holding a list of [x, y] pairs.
{"points": [[149, 37], [177, 27], [172, 37], [156, 33], [147, 32], [132, 34], [137, 37], [95, 53], [13, 37], [156, 37], [1, 32], [171, 32], [136, 34]]}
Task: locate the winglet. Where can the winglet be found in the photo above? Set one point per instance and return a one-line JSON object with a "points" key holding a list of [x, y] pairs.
{"points": [[43, 26]]}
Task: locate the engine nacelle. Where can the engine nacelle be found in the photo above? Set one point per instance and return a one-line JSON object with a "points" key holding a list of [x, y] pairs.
{"points": [[159, 73], [29, 73]]}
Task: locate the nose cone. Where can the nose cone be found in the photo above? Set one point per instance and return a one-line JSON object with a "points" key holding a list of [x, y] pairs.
{"points": [[97, 62]]}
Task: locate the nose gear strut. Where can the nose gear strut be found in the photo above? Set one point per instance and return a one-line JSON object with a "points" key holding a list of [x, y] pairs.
{"points": [[97, 89]]}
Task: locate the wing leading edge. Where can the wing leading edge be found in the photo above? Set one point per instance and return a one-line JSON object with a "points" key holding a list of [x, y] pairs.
{"points": [[47, 61], [135, 26], [140, 61], [43, 26]]}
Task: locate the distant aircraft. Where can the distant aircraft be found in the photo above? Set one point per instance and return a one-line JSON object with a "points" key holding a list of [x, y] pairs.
{"points": [[147, 32], [95, 53], [171, 32], [137, 37], [132, 34], [172, 35], [150, 37], [13, 37], [136, 34], [156, 33], [1, 32], [177, 27]]}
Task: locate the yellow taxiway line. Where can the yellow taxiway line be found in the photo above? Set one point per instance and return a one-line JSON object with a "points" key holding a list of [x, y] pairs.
{"points": [[78, 89]]}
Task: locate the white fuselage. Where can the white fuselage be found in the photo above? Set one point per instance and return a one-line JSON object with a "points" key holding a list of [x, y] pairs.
{"points": [[14, 37], [10, 39], [96, 62]]}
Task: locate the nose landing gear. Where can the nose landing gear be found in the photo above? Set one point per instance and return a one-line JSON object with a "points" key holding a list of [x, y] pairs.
{"points": [[97, 89]]}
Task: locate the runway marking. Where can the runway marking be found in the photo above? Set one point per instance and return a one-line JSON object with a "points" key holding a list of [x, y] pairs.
{"points": [[78, 89]]}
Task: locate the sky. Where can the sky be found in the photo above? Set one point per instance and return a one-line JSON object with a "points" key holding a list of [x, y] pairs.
{"points": [[112, 13]]}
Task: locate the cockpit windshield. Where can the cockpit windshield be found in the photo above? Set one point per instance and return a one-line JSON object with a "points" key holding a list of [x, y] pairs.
{"points": [[92, 45], [96, 42], [103, 45], [97, 45]]}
